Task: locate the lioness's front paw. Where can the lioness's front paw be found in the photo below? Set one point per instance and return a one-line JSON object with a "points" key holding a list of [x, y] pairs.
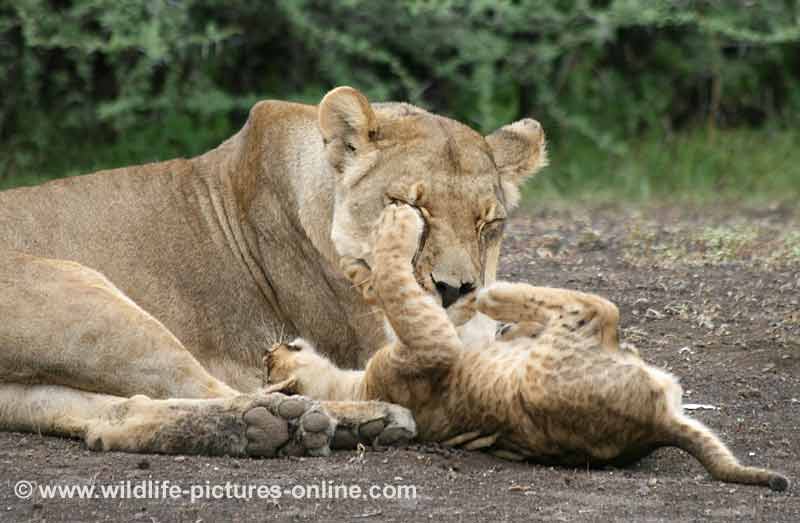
{"points": [[401, 231], [371, 423], [309, 428], [265, 432], [263, 425]]}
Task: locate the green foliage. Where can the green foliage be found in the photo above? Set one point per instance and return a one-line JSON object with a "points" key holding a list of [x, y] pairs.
{"points": [[99, 83], [693, 165]]}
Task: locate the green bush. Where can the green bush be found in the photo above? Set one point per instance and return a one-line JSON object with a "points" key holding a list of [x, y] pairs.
{"points": [[97, 83]]}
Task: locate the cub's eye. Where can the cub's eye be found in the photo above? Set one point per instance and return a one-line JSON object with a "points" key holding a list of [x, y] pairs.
{"points": [[294, 348]]}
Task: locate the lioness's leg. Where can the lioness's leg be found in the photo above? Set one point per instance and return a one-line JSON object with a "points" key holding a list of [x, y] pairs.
{"points": [[244, 425], [68, 331], [63, 323], [570, 315]]}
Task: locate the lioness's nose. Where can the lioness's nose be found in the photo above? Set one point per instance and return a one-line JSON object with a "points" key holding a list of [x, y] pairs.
{"points": [[450, 294]]}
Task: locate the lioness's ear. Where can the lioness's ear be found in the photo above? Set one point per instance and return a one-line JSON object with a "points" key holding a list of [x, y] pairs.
{"points": [[347, 123], [519, 151]]}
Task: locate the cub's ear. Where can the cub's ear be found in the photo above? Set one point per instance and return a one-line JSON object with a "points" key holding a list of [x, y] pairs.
{"points": [[347, 123], [519, 152]]}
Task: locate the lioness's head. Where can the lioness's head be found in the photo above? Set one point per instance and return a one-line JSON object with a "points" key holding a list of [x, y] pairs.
{"points": [[464, 183]]}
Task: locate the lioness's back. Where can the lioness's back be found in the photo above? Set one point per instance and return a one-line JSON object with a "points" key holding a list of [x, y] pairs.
{"points": [[90, 218]]}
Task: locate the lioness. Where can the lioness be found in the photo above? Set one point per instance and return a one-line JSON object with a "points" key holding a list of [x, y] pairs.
{"points": [[559, 391], [134, 303]]}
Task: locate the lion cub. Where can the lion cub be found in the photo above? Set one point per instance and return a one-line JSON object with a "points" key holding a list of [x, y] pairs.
{"points": [[567, 396]]}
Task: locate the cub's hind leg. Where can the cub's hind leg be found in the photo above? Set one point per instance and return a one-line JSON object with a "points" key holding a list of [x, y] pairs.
{"points": [[571, 315]]}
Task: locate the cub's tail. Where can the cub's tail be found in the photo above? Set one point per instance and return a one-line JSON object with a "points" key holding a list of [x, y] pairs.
{"points": [[699, 441]]}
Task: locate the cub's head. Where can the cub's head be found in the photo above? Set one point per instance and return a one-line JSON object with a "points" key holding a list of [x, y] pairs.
{"points": [[464, 183], [297, 368]]}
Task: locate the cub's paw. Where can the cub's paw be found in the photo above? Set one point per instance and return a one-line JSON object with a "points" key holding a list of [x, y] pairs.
{"points": [[523, 329], [401, 231], [371, 423], [503, 301], [360, 275]]}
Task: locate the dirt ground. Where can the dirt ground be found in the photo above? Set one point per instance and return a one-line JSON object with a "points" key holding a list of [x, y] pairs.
{"points": [[711, 294]]}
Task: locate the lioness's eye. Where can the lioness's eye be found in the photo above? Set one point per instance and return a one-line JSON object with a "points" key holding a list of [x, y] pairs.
{"points": [[492, 229], [390, 198], [396, 199]]}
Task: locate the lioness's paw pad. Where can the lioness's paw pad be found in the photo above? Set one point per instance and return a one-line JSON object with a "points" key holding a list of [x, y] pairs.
{"points": [[315, 431], [293, 407], [265, 432], [392, 426], [288, 425], [399, 426]]}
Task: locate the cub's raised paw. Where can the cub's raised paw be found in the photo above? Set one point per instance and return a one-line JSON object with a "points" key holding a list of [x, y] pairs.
{"points": [[523, 329], [370, 423], [503, 301], [401, 231]]}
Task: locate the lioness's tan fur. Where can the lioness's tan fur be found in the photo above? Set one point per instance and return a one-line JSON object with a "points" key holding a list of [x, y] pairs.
{"points": [[166, 279]]}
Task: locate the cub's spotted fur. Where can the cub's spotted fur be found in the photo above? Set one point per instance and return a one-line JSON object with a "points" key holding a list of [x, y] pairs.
{"points": [[555, 388]]}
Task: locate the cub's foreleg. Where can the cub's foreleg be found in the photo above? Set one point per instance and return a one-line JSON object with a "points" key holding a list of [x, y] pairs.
{"points": [[426, 337]]}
